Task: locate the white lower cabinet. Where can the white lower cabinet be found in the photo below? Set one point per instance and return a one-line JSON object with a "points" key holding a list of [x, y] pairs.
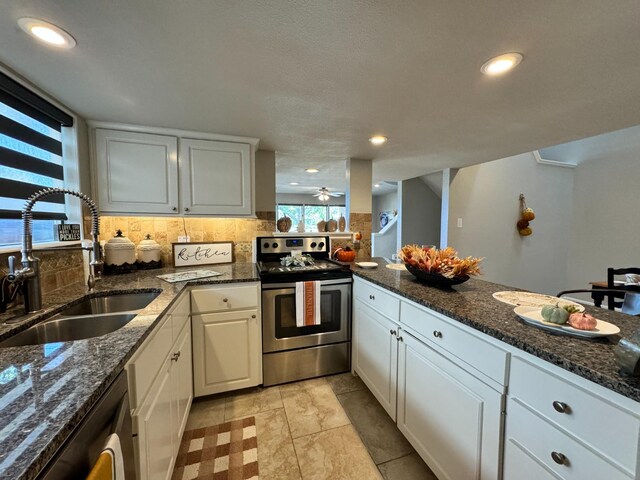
{"points": [[154, 424], [418, 365], [226, 351], [375, 359], [451, 418], [161, 391], [227, 338], [567, 425]]}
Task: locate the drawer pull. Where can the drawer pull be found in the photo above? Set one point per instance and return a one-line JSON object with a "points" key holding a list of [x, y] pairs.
{"points": [[437, 334], [393, 332], [371, 297], [400, 339], [559, 458], [253, 316], [225, 300], [175, 357], [561, 407]]}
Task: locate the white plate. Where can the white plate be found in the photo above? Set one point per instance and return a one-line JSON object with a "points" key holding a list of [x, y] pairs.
{"points": [[396, 266], [367, 264], [530, 299], [533, 316]]}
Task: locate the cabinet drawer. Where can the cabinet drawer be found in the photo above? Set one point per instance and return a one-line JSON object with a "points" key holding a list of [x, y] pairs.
{"points": [[467, 346], [377, 299], [180, 315], [143, 367], [596, 421], [540, 439], [222, 299]]}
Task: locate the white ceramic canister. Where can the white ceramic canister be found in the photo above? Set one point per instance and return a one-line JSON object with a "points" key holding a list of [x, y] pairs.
{"points": [[149, 250], [119, 250]]}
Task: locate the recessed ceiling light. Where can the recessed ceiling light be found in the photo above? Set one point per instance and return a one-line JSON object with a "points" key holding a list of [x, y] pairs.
{"points": [[378, 140], [501, 64], [46, 32], [294, 183], [312, 170], [377, 185]]}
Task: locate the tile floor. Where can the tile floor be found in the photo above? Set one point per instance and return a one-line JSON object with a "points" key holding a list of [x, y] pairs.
{"points": [[323, 428]]}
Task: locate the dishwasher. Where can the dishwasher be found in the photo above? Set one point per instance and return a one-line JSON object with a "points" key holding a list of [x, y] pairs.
{"points": [[81, 450]]}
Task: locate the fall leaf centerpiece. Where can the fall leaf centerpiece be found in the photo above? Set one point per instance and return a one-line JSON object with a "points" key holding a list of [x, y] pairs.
{"points": [[439, 267]]}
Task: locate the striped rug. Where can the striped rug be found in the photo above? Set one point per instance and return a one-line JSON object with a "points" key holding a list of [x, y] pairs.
{"points": [[228, 451]]}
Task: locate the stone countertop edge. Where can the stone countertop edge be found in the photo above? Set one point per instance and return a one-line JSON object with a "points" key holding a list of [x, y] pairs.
{"points": [[472, 304], [114, 350]]}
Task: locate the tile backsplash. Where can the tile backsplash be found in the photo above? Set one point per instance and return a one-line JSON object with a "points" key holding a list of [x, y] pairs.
{"points": [[165, 231], [57, 269]]}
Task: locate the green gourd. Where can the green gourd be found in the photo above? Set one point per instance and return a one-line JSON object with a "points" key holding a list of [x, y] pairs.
{"points": [[555, 314]]}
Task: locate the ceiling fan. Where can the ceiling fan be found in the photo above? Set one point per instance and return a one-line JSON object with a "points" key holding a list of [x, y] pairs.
{"points": [[324, 194]]}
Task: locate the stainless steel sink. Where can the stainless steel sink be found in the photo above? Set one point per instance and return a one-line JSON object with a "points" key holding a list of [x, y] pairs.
{"points": [[125, 302], [65, 329]]}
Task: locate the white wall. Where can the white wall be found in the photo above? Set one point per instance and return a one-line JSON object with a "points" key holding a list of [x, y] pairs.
{"points": [[419, 213], [485, 196], [606, 200], [382, 203], [265, 181]]}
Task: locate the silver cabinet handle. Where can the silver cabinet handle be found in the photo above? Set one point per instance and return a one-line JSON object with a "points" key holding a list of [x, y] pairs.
{"points": [[175, 209], [437, 334], [559, 458], [561, 407], [186, 209], [371, 297], [393, 332], [225, 300]]}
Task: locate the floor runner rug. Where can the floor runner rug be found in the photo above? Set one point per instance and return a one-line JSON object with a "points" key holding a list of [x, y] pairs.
{"points": [[228, 451]]}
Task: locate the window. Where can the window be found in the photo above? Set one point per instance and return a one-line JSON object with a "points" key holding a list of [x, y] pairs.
{"points": [[310, 215], [30, 159]]}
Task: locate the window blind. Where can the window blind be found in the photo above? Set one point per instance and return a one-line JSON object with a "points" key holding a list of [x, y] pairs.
{"points": [[30, 151]]}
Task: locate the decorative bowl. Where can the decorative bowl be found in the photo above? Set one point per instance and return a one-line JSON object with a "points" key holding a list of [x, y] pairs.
{"points": [[435, 278]]}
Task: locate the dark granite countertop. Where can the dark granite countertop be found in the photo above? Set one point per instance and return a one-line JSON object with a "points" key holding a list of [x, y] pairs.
{"points": [[472, 304], [46, 390]]}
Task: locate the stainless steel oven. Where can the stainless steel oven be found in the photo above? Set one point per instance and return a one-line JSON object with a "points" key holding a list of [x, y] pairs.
{"points": [[291, 352]]}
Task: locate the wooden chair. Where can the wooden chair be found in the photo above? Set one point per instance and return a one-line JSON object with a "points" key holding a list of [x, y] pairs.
{"points": [[611, 274], [630, 305]]}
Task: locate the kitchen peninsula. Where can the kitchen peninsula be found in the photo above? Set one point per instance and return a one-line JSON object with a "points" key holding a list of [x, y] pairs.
{"points": [[455, 367]]}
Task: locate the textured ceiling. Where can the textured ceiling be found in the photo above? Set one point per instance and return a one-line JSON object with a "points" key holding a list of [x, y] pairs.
{"points": [[318, 78], [291, 168]]}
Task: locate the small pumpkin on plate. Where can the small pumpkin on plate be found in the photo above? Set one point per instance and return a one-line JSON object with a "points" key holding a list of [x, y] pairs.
{"points": [[555, 314]]}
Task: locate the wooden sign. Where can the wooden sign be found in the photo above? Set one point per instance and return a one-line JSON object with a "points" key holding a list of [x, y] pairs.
{"points": [[202, 253], [67, 232]]}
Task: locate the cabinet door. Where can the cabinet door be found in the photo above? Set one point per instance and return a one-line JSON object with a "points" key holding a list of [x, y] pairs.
{"points": [[376, 354], [227, 352], [215, 177], [182, 380], [136, 172], [155, 425], [452, 419]]}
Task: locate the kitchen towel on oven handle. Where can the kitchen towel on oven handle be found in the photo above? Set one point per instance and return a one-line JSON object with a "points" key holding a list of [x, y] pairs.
{"points": [[307, 304]]}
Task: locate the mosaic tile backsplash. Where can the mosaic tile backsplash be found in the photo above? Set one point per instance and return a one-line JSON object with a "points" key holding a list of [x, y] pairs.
{"points": [[165, 231]]}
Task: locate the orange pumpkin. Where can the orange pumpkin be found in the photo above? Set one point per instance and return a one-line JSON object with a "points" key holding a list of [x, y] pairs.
{"points": [[346, 255]]}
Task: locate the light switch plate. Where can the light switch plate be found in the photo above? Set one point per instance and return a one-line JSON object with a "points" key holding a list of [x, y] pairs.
{"points": [[459, 222], [184, 239]]}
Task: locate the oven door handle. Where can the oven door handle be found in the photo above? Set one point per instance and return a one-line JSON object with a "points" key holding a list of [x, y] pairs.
{"points": [[280, 286]]}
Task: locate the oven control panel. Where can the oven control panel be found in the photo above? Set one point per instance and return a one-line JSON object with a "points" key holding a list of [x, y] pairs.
{"points": [[289, 244]]}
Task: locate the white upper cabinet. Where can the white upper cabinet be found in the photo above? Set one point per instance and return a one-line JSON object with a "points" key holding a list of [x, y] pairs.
{"points": [[215, 177], [155, 171], [136, 172]]}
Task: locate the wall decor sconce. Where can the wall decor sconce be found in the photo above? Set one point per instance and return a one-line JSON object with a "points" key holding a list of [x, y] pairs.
{"points": [[526, 216]]}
